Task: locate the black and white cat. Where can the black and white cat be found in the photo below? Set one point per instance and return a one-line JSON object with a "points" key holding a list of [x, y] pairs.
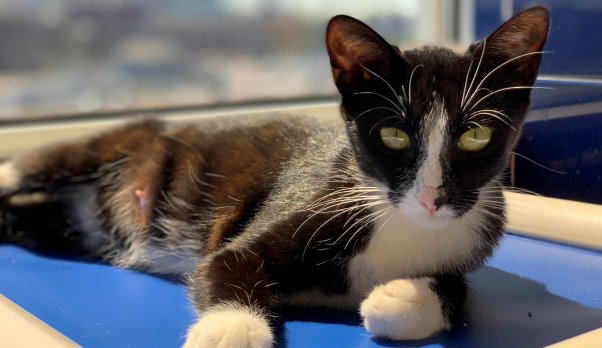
{"points": [[385, 214]]}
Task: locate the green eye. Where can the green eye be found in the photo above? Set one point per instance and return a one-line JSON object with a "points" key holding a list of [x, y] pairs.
{"points": [[475, 139], [394, 138]]}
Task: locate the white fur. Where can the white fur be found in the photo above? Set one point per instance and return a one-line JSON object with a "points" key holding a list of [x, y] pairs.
{"points": [[409, 240], [403, 309], [430, 172], [400, 248], [230, 326], [9, 176]]}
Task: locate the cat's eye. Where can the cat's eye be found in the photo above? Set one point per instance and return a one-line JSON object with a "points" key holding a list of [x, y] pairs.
{"points": [[394, 138], [475, 139]]}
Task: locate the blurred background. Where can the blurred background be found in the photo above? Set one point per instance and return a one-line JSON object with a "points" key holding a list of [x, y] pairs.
{"points": [[74, 57]]}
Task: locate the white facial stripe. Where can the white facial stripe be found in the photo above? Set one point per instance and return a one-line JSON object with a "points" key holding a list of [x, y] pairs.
{"points": [[430, 172]]}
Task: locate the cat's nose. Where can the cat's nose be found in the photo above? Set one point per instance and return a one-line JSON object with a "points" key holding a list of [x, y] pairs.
{"points": [[427, 198]]}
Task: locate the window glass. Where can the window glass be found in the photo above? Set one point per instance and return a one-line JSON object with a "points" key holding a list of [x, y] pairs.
{"points": [[560, 151], [575, 40], [79, 56]]}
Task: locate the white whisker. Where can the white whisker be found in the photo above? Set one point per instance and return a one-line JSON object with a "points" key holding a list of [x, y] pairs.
{"points": [[496, 117], [493, 111], [387, 83], [505, 90], [496, 69], [466, 80], [410, 84], [539, 164], [382, 96], [376, 108], [474, 76], [381, 121], [381, 212]]}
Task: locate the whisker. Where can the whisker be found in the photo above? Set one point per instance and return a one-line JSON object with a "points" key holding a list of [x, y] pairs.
{"points": [[474, 76], [376, 108], [381, 121], [506, 90], [349, 197], [497, 112], [496, 69], [316, 231], [326, 210], [382, 96], [403, 91], [382, 213], [410, 84], [521, 190], [475, 123], [466, 80], [375, 234], [496, 117], [386, 82], [358, 221], [539, 164]]}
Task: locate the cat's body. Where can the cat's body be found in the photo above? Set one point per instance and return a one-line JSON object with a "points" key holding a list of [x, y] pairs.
{"points": [[388, 210]]}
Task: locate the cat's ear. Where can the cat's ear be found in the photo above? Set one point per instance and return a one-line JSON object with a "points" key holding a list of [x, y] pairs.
{"points": [[519, 40], [357, 53]]}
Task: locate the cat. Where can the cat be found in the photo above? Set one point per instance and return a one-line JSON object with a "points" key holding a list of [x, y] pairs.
{"points": [[385, 211]]}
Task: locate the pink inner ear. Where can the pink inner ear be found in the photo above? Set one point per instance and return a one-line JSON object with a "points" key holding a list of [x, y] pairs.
{"points": [[352, 44], [355, 52]]}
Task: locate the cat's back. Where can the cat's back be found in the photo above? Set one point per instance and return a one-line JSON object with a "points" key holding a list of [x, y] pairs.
{"points": [[288, 129], [258, 144]]}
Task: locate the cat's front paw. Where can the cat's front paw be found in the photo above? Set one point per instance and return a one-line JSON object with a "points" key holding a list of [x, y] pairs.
{"points": [[403, 309], [230, 326]]}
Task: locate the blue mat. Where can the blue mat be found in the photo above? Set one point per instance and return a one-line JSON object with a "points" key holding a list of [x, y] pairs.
{"points": [[531, 293]]}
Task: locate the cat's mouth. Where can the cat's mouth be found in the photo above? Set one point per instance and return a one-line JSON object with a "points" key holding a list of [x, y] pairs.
{"points": [[440, 218], [426, 215]]}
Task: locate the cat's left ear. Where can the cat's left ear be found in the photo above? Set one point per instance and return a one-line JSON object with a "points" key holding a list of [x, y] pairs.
{"points": [[357, 54], [519, 42]]}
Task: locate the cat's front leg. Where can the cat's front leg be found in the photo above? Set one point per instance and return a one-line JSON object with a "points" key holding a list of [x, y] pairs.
{"points": [[231, 291], [230, 325], [410, 309]]}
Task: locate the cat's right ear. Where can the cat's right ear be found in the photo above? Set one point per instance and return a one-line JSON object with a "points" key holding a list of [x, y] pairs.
{"points": [[357, 54]]}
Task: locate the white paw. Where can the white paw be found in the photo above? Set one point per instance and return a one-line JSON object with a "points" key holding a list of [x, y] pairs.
{"points": [[9, 176], [403, 310], [230, 327]]}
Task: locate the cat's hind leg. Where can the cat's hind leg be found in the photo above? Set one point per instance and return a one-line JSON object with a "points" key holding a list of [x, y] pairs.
{"points": [[410, 309], [48, 196], [76, 160]]}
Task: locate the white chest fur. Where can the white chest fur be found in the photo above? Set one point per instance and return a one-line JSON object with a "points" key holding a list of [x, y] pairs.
{"points": [[401, 249]]}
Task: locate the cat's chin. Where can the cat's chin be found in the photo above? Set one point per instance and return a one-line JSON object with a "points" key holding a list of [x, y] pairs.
{"points": [[422, 218]]}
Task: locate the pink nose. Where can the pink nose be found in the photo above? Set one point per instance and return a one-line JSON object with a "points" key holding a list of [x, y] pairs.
{"points": [[427, 198]]}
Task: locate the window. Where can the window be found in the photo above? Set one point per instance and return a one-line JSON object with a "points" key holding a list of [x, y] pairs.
{"points": [[560, 153], [73, 57]]}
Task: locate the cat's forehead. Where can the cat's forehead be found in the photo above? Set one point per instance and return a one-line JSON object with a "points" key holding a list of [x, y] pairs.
{"points": [[436, 66], [436, 76]]}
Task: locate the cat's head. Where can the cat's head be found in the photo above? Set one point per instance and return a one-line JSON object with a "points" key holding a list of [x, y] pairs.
{"points": [[431, 127]]}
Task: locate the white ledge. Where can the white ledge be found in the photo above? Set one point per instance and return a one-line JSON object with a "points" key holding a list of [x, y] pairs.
{"points": [[554, 219]]}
